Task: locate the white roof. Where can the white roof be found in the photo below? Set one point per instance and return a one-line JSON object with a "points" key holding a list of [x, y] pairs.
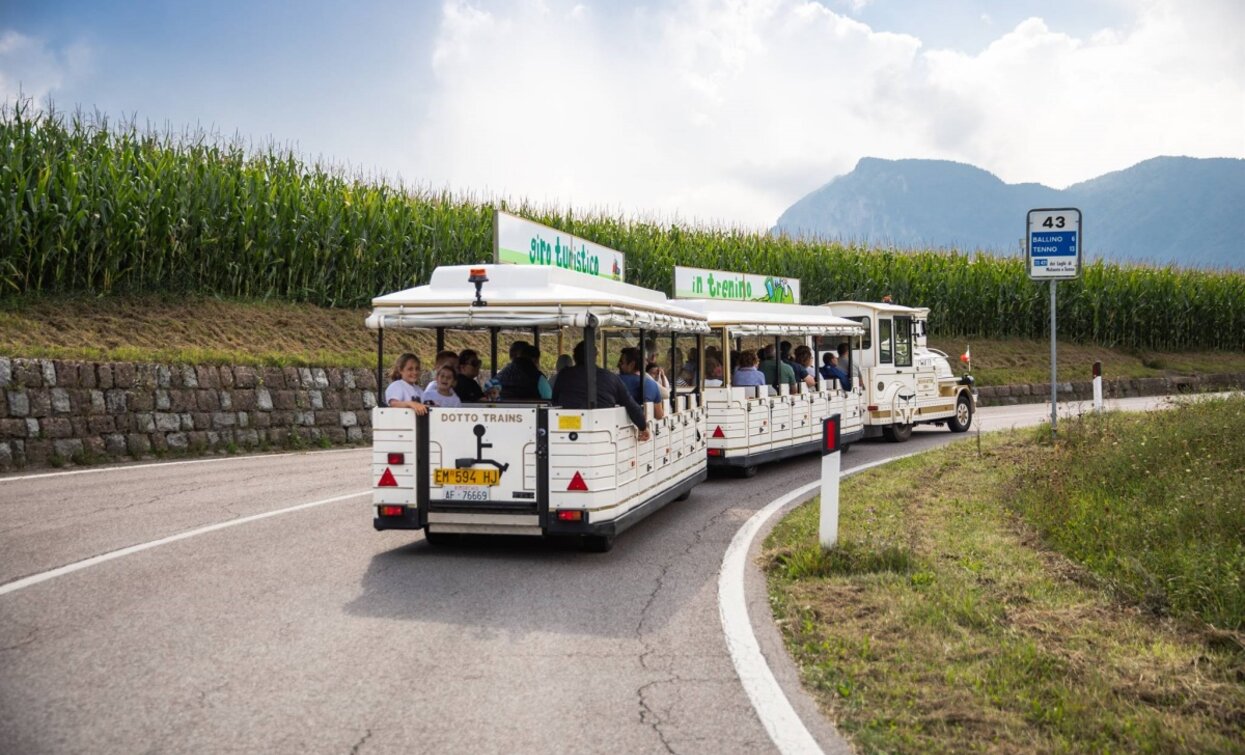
{"points": [[767, 318], [854, 307], [526, 296]]}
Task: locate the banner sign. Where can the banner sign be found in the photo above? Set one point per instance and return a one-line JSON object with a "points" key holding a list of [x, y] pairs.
{"points": [[695, 283], [521, 242]]}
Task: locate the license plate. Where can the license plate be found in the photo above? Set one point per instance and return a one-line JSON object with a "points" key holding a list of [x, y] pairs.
{"points": [[453, 493], [445, 476]]}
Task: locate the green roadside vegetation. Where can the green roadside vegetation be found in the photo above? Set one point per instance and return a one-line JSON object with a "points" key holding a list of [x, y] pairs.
{"points": [[211, 330], [1086, 594]]}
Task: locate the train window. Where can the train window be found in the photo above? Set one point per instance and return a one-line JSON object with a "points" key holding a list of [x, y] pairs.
{"points": [[903, 341], [884, 340], [868, 343]]}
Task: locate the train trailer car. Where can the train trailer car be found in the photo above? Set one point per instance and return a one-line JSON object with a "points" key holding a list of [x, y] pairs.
{"points": [[755, 424], [533, 467]]}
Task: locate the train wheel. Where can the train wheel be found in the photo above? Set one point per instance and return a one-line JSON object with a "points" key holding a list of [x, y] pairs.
{"points": [[897, 433], [685, 495], [750, 471], [963, 418], [597, 543]]}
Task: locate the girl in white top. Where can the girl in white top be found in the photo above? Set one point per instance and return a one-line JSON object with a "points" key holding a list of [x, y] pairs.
{"points": [[441, 393], [403, 391]]}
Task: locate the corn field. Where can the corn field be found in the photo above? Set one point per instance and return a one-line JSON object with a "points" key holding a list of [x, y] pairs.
{"points": [[93, 207]]}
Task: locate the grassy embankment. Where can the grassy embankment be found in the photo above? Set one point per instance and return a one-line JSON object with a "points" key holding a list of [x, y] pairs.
{"points": [[206, 330], [1086, 595]]}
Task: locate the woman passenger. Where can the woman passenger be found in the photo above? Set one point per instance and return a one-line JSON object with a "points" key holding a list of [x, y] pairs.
{"points": [[403, 391]]}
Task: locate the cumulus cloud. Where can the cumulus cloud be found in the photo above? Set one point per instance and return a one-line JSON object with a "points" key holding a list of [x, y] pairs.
{"points": [[730, 110], [29, 68]]}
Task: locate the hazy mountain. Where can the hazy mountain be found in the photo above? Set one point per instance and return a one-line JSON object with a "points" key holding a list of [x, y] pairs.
{"points": [[1168, 209]]}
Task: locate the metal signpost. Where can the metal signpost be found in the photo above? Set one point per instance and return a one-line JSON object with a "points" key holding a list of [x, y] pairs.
{"points": [[1053, 244], [828, 526]]}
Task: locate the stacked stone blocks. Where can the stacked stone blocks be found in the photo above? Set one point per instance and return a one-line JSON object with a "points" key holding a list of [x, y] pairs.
{"points": [[55, 411]]}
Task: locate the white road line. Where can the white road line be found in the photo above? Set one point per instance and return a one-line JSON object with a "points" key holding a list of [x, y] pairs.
{"points": [[783, 724], [35, 579], [127, 467]]}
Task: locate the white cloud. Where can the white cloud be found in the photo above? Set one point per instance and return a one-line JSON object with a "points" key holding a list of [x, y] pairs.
{"points": [[28, 68], [730, 110]]}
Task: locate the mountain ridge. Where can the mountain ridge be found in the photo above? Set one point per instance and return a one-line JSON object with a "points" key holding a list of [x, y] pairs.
{"points": [[1166, 209]]}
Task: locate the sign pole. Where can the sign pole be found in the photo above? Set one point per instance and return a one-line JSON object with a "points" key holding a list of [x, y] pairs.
{"points": [[1054, 386]]}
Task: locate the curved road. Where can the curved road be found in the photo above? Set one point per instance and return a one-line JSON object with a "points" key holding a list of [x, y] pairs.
{"points": [[307, 631]]}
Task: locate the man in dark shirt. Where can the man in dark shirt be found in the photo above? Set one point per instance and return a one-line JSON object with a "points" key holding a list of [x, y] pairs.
{"points": [[571, 390]]}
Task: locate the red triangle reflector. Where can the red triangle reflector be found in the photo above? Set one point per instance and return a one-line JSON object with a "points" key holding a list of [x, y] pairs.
{"points": [[386, 480], [577, 483], [718, 432]]}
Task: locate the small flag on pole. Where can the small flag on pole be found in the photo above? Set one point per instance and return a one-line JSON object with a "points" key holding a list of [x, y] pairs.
{"points": [[967, 357]]}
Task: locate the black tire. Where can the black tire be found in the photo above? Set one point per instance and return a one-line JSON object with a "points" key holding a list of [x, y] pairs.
{"points": [[749, 471], [597, 543], [963, 418], [439, 539], [897, 433], [685, 495]]}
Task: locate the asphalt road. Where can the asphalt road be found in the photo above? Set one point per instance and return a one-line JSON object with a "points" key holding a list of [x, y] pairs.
{"points": [[310, 632]]}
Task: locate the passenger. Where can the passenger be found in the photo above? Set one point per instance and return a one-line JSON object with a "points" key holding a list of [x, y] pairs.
{"points": [[713, 372], [441, 392], [564, 361], [747, 373], [521, 379], [403, 390], [826, 362], [571, 392], [803, 357], [654, 370], [838, 374], [442, 358], [800, 371], [631, 376], [769, 365], [467, 383], [650, 358], [843, 361]]}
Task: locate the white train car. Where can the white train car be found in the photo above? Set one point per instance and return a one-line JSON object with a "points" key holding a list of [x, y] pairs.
{"points": [[905, 382], [531, 467], [751, 425]]}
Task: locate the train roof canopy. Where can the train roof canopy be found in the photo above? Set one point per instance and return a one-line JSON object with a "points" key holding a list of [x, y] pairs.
{"points": [[527, 296], [849, 308], [769, 318]]}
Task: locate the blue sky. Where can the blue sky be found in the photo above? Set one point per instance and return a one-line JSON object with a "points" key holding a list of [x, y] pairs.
{"points": [[704, 110]]}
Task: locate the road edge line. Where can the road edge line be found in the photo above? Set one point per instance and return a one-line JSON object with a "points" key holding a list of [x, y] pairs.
{"points": [[180, 462], [784, 726], [61, 571]]}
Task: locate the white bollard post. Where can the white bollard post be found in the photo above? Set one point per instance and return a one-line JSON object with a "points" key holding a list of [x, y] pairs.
{"points": [[831, 464], [1097, 386]]}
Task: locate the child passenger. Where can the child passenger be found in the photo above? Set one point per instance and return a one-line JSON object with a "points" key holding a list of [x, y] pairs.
{"points": [[403, 391], [441, 391]]}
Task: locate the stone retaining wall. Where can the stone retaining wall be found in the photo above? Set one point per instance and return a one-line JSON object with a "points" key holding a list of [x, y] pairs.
{"points": [[53, 411], [1083, 390]]}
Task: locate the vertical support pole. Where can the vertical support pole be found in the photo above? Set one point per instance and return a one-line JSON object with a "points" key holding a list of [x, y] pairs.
{"points": [[380, 366], [831, 466], [440, 340], [492, 351], [1054, 385], [590, 356]]}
